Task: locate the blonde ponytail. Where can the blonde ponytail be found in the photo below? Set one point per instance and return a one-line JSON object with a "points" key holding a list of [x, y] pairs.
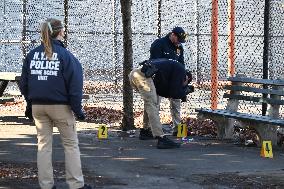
{"points": [[50, 30], [46, 40]]}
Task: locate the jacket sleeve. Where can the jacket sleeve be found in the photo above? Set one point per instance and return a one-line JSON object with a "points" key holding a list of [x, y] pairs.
{"points": [[24, 79], [73, 75], [156, 50]]}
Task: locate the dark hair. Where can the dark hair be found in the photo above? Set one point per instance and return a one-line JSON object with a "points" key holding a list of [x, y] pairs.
{"points": [[189, 75], [50, 30]]}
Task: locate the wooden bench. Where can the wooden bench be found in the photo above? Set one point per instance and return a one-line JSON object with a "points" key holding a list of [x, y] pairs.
{"points": [[5, 78], [250, 92]]}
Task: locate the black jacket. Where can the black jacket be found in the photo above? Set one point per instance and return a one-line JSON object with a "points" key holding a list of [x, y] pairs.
{"points": [[169, 78]]}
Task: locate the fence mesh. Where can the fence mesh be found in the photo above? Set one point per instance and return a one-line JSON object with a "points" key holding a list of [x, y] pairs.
{"points": [[95, 37]]}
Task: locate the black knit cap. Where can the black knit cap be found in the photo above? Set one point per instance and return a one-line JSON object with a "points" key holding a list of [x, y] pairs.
{"points": [[180, 33]]}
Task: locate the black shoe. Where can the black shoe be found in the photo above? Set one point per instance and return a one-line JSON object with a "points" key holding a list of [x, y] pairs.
{"points": [[54, 187], [86, 187], [166, 143], [145, 134]]}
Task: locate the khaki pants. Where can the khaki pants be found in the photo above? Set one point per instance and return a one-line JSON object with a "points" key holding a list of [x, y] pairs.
{"points": [[175, 108], [60, 116], [146, 88]]}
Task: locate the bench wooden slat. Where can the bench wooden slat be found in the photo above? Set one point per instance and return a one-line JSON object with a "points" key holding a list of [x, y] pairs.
{"points": [[277, 82], [86, 96], [243, 116], [6, 99], [254, 99], [10, 76], [254, 90]]}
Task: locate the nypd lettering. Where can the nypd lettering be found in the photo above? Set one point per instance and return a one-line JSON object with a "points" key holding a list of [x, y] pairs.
{"points": [[44, 67], [41, 56]]}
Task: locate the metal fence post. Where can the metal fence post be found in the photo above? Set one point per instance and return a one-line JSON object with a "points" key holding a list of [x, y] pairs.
{"points": [[214, 55], [114, 47], [159, 24], [265, 49], [198, 71], [24, 31], [231, 38], [66, 22]]}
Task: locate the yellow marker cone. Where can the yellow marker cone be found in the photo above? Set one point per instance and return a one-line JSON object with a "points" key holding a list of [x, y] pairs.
{"points": [[266, 149], [102, 133], [182, 130]]}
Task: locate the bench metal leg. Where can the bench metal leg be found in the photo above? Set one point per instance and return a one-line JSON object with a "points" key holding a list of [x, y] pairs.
{"points": [[266, 132], [3, 85], [229, 128], [225, 126]]}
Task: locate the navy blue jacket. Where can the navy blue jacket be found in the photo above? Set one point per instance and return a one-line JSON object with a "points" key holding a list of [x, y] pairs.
{"points": [[169, 79], [164, 48], [55, 81]]}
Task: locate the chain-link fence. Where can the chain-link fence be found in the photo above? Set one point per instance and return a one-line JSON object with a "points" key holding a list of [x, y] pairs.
{"points": [[94, 35]]}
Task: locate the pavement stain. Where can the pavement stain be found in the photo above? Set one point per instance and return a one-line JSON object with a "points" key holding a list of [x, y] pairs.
{"points": [[237, 180], [24, 175]]}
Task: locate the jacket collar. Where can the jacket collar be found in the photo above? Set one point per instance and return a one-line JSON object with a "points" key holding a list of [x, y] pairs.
{"points": [[58, 42]]}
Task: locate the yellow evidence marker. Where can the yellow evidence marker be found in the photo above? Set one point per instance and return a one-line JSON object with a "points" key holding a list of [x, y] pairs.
{"points": [[182, 130], [102, 133], [266, 149]]}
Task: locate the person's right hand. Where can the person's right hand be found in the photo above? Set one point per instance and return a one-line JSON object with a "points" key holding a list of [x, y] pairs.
{"points": [[81, 116]]}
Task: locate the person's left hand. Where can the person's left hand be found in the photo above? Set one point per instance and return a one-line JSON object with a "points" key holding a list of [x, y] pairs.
{"points": [[80, 116], [184, 99], [189, 75], [29, 112], [189, 89]]}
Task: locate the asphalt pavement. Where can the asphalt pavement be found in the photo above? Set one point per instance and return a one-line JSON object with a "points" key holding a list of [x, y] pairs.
{"points": [[129, 163]]}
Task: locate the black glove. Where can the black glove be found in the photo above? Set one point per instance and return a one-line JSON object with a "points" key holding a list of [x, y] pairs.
{"points": [[81, 116], [189, 89], [184, 99], [29, 112], [189, 75]]}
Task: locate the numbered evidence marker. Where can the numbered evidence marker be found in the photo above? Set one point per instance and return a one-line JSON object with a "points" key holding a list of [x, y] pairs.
{"points": [[266, 149], [182, 130], [102, 133]]}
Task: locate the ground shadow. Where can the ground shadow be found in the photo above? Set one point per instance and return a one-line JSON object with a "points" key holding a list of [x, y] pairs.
{"points": [[15, 120]]}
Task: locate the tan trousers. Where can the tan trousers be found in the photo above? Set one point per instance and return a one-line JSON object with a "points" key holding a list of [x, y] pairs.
{"points": [[46, 117], [175, 108], [146, 88]]}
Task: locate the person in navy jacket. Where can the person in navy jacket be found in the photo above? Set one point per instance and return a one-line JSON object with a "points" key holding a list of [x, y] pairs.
{"points": [[161, 77], [52, 84], [170, 47]]}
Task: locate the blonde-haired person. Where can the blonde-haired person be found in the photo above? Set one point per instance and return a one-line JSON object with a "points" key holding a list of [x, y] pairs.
{"points": [[52, 82]]}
